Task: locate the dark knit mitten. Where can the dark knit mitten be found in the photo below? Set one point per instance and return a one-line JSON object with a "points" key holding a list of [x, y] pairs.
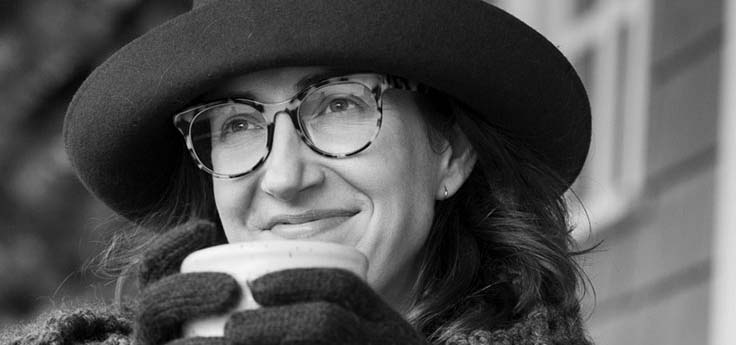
{"points": [[318, 306], [168, 298]]}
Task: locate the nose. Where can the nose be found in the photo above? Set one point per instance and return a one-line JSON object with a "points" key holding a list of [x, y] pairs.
{"points": [[288, 170]]}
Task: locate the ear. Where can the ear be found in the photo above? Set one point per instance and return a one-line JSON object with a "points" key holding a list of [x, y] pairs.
{"points": [[457, 162]]}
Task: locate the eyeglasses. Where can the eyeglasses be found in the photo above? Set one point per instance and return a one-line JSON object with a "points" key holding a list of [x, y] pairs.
{"points": [[337, 117]]}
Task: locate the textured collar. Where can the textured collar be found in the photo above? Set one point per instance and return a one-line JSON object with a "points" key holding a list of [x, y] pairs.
{"points": [[542, 326]]}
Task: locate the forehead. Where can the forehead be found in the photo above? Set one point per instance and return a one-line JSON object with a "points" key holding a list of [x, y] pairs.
{"points": [[273, 84]]}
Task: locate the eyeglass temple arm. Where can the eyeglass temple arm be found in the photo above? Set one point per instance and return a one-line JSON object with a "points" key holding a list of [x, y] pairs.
{"points": [[407, 84]]}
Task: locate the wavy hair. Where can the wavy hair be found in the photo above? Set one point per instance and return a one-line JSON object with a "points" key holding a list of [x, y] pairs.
{"points": [[500, 246]]}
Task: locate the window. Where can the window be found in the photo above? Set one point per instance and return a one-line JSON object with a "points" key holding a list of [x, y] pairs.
{"points": [[608, 42]]}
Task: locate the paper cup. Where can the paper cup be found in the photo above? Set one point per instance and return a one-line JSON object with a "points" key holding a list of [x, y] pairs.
{"points": [[249, 260]]}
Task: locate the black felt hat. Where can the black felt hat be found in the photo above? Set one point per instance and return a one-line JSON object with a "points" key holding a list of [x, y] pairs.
{"points": [[118, 129]]}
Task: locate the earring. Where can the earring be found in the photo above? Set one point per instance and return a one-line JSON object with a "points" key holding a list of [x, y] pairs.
{"points": [[446, 192]]}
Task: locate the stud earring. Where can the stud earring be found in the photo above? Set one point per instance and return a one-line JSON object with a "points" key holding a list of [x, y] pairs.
{"points": [[446, 192]]}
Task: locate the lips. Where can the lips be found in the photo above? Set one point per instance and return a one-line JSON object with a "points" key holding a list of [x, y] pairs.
{"points": [[307, 224]]}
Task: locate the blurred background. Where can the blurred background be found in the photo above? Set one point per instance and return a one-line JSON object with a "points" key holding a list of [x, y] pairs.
{"points": [[657, 184]]}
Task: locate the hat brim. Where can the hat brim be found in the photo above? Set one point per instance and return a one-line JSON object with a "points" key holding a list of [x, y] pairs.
{"points": [[119, 133]]}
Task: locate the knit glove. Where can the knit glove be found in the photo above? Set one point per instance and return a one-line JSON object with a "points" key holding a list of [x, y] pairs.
{"points": [[318, 306], [168, 298]]}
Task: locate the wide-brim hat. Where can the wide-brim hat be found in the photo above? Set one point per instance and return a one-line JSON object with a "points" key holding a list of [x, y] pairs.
{"points": [[118, 128]]}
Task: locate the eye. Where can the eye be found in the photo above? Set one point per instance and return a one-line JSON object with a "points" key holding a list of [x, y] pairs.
{"points": [[239, 126], [235, 125], [336, 101], [339, 105]]}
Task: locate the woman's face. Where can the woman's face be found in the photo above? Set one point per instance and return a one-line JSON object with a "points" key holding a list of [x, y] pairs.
{"points": [[379, 201]]}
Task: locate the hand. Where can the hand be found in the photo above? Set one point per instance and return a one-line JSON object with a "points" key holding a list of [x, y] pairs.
{"points": [[318, 306], [169, 298]]}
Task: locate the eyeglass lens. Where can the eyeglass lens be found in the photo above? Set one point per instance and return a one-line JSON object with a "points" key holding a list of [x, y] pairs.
{"points": [[339, 119]]}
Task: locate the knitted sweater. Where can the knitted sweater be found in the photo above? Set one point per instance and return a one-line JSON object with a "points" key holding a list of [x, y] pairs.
{"points": [[103, 326], [87, 325]]}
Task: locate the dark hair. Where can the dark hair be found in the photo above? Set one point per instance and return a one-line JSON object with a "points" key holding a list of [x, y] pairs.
{"points": [[501, 245], [498, 248]]}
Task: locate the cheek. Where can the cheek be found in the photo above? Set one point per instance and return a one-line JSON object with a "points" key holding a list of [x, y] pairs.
{"points": [[403, 177], [224, 199], [232, 199], [410, 165]]}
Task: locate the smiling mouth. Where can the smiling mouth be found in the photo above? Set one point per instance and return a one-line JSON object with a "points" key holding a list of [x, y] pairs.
{"points": [[308, 224]]}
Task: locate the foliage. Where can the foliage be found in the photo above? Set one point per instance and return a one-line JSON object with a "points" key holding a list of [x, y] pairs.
{"points": [[49, 224]]}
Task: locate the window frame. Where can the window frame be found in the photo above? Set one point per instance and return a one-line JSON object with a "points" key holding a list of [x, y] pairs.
{"points": [[612, 181]]}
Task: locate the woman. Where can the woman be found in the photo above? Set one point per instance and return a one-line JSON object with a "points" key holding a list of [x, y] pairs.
{"points": [[436, 137]]}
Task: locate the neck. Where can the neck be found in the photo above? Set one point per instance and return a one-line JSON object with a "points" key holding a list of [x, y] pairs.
{"points": [[399, 293]]}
